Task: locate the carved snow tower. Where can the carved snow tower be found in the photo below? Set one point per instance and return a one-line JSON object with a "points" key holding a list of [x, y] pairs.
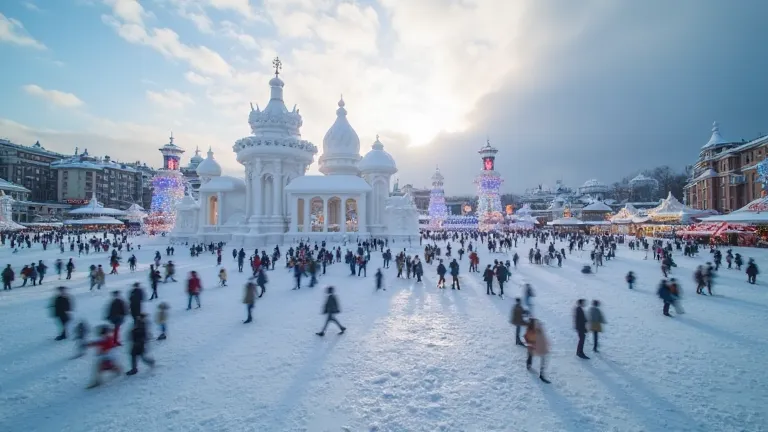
{"points": [[273, 155], [489, 216]]}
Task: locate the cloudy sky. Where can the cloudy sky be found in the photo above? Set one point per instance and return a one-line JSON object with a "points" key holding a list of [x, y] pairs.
{"points": [[565, 89]]}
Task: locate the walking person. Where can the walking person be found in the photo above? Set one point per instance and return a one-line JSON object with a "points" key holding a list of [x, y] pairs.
{"points": [[580, 324], [752, 271], [441, 275], [161, 319], [154, 279], [488, 278], [596, 321], [62, 308], [8, 276], [249, 299], [139, 336], [116, 315], [379, 277], [518, 320], [135, 299], [330, 309], [455, 275], [538, 345], [261, 281], [194, 286]]}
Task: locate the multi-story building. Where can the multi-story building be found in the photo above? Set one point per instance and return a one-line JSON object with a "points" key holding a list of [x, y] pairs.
{"points": [[116, 184], [30, 167], [725, 176]]}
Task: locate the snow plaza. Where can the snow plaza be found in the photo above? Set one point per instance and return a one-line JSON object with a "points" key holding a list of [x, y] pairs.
{"points": [[413, 358]]}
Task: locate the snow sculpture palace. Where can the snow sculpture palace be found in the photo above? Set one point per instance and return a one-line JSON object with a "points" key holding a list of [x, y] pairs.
{"points": [[277, 203]]}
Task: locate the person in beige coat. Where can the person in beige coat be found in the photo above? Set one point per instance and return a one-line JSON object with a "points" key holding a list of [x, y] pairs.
{"points": [[249, 299], [596, 321], [538, 345]]}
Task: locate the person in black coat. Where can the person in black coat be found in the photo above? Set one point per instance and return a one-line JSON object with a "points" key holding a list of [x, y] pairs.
{"points": [[62, 307], [139, 338], [379, 280], [116, 314], [136, 297], [580, 323], [331, 308], [8, 277], [488, 278]]}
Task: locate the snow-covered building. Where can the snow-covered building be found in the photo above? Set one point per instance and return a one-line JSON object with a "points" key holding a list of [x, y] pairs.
{"points": [[277, 203]]}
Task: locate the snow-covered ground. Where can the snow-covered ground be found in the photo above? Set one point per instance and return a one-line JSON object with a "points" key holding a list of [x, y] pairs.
{"points": [[414, 358]]}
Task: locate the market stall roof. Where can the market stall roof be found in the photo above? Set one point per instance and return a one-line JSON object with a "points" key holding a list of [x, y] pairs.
{"points": [[717, 229], [101, 220], [672, 209], [524, 210], [566, 221], [10, 226], [598, 206], [755, 212], [629, 214], [94, 207]]}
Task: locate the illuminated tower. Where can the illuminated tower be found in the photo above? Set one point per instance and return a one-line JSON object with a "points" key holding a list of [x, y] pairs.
{"points": [[489, 215], [167, 190], [438, 212]]}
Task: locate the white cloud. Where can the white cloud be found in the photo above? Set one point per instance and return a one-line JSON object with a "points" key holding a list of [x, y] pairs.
{"points": [[233, 31], [168, 98], [195, 78], [166, 42], [12, 31], [31, 6], [242, 7], [55, 97], [129, 11]]}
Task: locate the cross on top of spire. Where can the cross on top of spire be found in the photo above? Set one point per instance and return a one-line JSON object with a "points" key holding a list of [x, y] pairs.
{"points": [[278, 65], [171, 137]]}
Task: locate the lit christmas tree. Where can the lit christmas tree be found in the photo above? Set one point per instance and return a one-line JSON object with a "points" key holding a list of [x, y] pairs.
{"points": [[167, 190], [489, 215], [438, 212]]}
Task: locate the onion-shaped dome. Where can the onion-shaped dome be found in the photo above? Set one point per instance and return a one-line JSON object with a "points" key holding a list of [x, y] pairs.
{"points": [[341, 146], [378, 160], [209, 167]]}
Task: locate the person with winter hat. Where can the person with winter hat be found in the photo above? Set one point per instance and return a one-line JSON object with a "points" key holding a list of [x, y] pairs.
{"points": [[330, 309], [538, 345], [596, 321]]}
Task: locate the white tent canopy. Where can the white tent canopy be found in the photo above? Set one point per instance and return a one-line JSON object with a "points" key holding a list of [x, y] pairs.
{"points": [[566, 221], [10, 226], [755, 212], [101, 220], [671, 208], [629, 214], [135, 213], [94, 207]]}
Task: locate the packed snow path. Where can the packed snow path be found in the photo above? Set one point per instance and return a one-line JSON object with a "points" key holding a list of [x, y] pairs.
{"points": [[414, 358]]}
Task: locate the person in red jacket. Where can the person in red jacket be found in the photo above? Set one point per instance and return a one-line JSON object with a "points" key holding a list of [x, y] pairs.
{"points": [[193, 289], [104, 359]]}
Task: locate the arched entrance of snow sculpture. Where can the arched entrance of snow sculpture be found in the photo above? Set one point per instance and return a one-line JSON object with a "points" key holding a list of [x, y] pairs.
{"points": [[213, 210], [335, 219], [351, 214], [316, 214]]}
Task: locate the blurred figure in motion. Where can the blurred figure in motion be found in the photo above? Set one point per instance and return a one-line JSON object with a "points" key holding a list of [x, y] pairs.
{"points": [[139, 336], [61, 308], [538, 345], [104, 359], [161, 319], [752, 271], [331, 308]]}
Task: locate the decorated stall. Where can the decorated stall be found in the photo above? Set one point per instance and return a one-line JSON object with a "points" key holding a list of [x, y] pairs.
{"points": [[627, 220], [671, 216]]}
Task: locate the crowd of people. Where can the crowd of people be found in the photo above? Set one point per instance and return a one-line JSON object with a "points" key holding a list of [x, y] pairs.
{"points": [[442, 251]]}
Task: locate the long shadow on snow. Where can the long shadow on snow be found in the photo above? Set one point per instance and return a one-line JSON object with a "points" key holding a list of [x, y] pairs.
{"points": [[649, 411], [656, 401], [723, 335], [570, 417]]}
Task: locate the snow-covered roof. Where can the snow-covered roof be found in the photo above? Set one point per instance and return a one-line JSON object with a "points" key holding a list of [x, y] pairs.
{"points": [[754, 212], [716, 139], [94, 207], [377, 160], [209, 167], [341, 146], [597, 206], [672, 208], [223, 184], [566, 221], [12, 187], [708, 173], [101, 220], [641, 178], [328, 184], [10, 226]]}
